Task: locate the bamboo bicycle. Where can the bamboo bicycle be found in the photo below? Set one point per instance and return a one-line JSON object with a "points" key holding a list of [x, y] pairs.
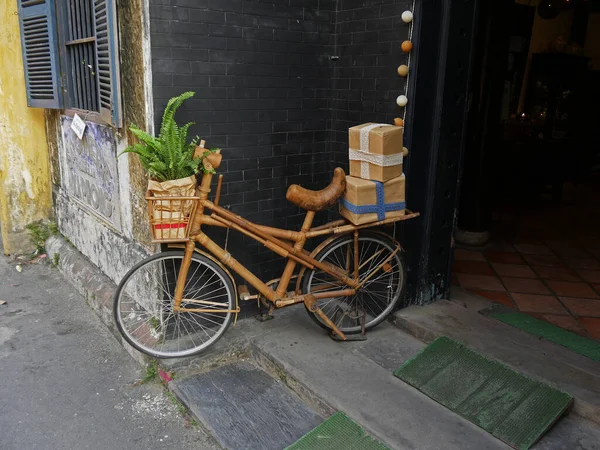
{"points": [[178, 303]]}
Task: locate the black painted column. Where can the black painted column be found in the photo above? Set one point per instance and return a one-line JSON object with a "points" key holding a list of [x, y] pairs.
{"points": [[490, 60]]}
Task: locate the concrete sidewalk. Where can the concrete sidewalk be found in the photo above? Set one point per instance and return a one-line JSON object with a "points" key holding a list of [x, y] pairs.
{"points": [[356, 378], [66, 383], [263, 385]]}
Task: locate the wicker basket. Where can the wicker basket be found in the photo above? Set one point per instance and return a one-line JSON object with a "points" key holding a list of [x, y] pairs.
{"points": [[170, 217]]}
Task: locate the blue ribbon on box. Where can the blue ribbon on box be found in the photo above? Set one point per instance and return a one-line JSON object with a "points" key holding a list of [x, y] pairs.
{"points": [[380, 208]]}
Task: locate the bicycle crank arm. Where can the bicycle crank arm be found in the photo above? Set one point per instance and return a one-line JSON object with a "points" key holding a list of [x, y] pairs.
{"points": [[311, 303]]}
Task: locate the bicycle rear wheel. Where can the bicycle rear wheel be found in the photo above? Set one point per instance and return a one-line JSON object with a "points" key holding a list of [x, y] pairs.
{"points": [[379, 295], [144, 305]]}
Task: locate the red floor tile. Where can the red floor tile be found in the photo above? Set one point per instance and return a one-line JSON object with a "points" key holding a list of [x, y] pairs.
{"points": [[498, 297], [475, 267], [566, 322], [503, 257], [461, 254], [570, 289], [592, 325], [526, 237], [556, 273], [585, 263], [544, 260], [566, 250], [593, 244], [582, 306], [514, 270], [525, 286], [500, 246], [533, 249], [537, 315], [480, 282], [591, 276], [546, 304]]}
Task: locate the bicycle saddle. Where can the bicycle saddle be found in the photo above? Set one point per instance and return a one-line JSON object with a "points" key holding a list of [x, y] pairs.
{"points": [[318, 200]]}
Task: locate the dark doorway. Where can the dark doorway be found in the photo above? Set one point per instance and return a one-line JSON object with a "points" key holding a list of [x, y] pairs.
{"points": [[529, 210]]}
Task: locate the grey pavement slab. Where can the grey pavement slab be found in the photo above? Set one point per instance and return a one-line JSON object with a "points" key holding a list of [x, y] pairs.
{"points": [[66, 382], [459, 319], [414, 424], [388, 349], [245, 408], [354, 378], [571, 433]]}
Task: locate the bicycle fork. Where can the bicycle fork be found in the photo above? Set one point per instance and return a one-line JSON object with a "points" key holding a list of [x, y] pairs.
{"points": [[183, 273]]}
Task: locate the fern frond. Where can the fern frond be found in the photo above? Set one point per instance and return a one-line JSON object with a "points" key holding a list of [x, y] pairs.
{"points": [[142, 135], [183, 132], [169, 155], [150, 141], [172, 107]]}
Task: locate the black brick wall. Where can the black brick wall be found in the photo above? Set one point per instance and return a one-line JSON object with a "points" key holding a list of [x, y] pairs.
{"points": [[365, 81], [269, 93]]}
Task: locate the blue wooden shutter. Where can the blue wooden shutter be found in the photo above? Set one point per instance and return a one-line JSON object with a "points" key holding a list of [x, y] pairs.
{"points": [[40, 53], [107, 60]]}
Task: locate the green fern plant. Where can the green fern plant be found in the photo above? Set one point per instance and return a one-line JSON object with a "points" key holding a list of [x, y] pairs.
{"points": [[169, 156]]}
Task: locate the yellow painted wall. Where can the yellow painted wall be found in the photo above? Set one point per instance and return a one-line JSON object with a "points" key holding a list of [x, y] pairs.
{"points": [[25, 189]]}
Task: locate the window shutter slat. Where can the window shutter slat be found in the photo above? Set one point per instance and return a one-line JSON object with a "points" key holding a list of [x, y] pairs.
{"points": [[40, 53], [107, 60]]}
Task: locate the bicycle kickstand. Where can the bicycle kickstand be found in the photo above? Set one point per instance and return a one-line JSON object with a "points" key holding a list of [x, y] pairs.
{"points": [[354, 337], [265, 311], [336, 333]]}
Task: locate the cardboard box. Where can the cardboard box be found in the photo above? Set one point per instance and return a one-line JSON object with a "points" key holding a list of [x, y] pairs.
{"points": [[367, 201], [376, 151]]}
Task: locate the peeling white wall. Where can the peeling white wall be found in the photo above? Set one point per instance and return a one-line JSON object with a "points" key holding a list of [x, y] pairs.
{"points": [[106, 241]]}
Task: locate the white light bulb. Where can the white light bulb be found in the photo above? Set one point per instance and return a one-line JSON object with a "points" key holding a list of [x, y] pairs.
{"points": [[402, 100], [407, 16]]}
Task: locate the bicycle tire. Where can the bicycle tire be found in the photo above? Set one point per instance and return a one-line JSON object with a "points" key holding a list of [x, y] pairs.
{"points": [[348, 240], [162, 325]]}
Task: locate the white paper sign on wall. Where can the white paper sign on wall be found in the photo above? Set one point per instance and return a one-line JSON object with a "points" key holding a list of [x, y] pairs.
{"points": [[78, 126]]}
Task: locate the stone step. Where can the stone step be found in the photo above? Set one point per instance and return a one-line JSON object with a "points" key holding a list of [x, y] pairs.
{"points": [[243, 407], [460, 319], [356, 378]]}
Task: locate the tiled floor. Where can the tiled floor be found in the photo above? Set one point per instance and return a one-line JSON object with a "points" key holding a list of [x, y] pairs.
{"points": [[562, 294], [545, 262]]}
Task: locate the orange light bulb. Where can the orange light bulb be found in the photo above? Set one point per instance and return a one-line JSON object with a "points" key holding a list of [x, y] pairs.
{"points": [[406, 46]]}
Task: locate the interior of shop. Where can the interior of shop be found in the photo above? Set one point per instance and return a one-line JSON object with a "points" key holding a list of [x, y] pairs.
{"points": [[529, 216]]}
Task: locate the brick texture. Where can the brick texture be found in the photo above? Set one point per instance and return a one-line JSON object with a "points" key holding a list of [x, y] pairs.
{"points": [[365, 80], [277, 85]]}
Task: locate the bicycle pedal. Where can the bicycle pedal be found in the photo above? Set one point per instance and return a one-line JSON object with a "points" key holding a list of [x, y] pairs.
{"points": [[349, 337], [264, 317], [244, 293]]}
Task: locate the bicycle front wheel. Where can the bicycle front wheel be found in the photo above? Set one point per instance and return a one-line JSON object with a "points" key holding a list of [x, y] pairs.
{"points": [[144, 305], [382, 288]]}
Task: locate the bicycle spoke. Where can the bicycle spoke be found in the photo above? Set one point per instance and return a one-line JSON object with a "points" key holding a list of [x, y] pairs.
{"points": [[376, 298], [150, 322]]}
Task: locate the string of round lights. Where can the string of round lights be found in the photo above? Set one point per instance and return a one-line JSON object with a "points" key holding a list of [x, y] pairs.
{"points": [[404, 69]]}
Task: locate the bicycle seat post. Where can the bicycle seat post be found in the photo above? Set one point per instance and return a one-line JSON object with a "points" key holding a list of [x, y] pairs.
{"points": [[291, 264]]}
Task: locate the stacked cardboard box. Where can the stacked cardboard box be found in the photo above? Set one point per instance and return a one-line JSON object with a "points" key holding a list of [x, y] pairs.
{"points": [[376, 186]]}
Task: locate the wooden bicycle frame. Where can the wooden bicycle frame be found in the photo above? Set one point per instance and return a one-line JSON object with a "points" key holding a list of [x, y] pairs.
{"points": [[286, 243]]}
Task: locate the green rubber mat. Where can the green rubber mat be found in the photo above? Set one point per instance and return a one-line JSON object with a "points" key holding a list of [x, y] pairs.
{"points": [[578, 344], [337, 433], [508, 405]]}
